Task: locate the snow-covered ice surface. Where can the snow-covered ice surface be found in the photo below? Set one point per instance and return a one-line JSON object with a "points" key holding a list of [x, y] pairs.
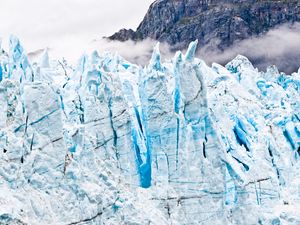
{"points": [[109, 142]]}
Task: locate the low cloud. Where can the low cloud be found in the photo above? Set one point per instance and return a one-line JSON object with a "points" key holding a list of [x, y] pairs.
{"points": [[280, 47], [136, 52]]}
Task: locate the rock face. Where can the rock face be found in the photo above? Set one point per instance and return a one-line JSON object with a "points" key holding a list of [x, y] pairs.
{"points": [[109, 142], [215, 23]]}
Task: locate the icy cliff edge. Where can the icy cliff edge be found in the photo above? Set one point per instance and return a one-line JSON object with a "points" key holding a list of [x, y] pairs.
{"points": [[176, 142]]}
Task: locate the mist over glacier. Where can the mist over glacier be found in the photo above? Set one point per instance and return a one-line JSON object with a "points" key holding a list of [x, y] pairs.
{"points": [[106, 141], [279, 46]]}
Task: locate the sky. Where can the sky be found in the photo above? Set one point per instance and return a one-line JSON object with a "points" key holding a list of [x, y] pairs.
{"points": [[53, 23]]}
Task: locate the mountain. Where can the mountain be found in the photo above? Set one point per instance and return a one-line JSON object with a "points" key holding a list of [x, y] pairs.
{"points": [[180, 22], [110, 142], [217, 24]]}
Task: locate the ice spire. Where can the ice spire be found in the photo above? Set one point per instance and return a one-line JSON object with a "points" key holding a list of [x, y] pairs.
{"points": [[178, 58], [155, 62], [15, 48], [95, 57], [17, 54], [45, 59], [190, 54]]}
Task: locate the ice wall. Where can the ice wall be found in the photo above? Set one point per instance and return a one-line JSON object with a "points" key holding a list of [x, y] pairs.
{"points": [[176, 142]]}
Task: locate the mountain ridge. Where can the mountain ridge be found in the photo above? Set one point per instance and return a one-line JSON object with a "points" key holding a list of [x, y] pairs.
{"points": [[180, 22], [221, 26]]}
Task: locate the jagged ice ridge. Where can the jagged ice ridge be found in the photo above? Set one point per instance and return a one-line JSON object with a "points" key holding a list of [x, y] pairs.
{"points": [[179, 142]]}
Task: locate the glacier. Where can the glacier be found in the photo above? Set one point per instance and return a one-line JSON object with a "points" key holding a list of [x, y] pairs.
{"points": [[175, 142]]}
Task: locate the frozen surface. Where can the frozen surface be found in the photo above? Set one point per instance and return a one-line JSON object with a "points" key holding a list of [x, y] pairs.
{"points": [[109, 142]]}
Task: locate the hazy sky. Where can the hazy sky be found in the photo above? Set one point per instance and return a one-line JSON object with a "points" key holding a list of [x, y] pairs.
{"points": [[40, 23]]}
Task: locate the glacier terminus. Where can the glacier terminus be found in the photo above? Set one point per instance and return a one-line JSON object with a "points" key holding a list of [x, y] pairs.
{"points": [[175, 142]]}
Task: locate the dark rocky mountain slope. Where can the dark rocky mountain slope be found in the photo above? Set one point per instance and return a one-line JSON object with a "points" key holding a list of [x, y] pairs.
{"points": [[217, 24], [178, 22]]}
